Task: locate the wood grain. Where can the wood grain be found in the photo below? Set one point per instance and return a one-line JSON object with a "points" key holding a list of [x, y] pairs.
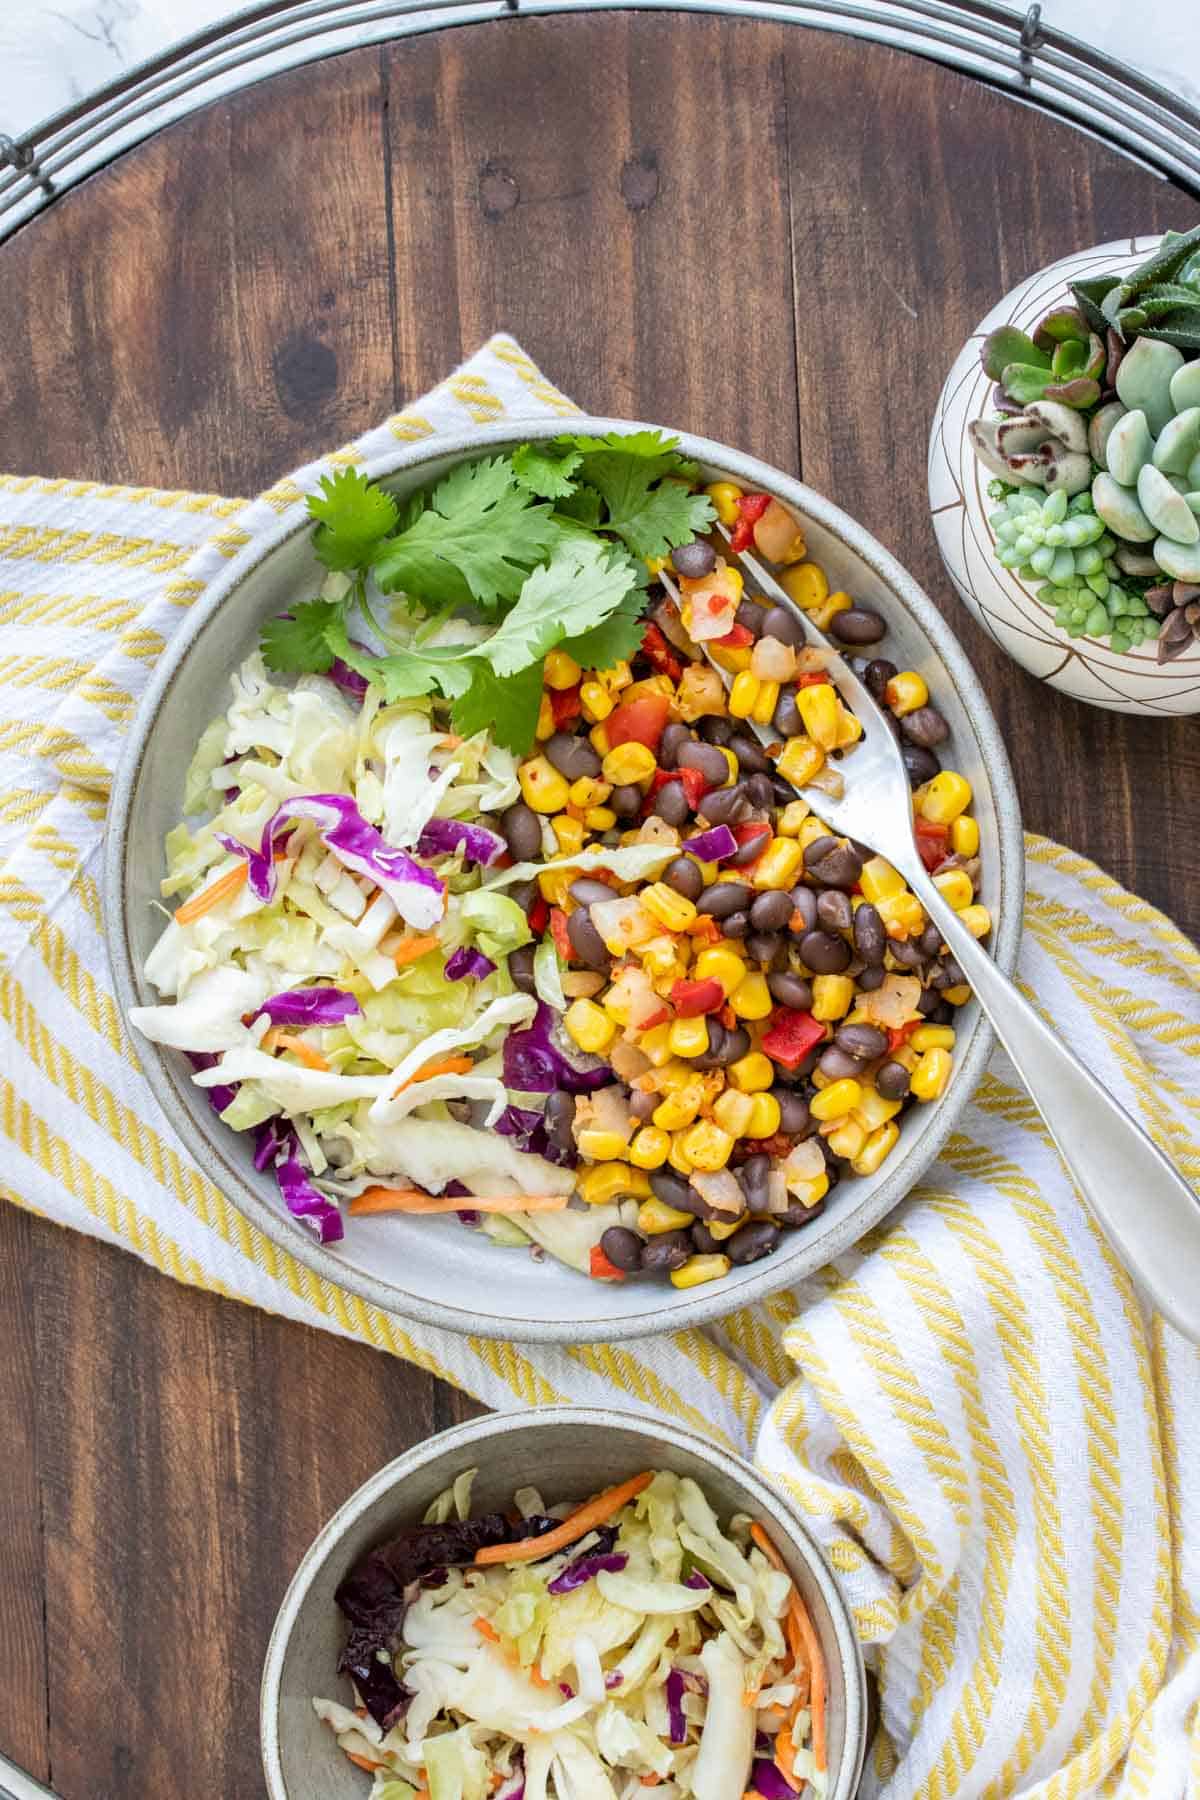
{"points": [[770, 236]]}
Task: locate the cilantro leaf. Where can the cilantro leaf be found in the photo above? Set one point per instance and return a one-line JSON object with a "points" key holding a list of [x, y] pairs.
{"points": [[507, 706], [615, 640], [476, 541], [583, 583], [406, 673], [542, 472], [298, 645], [630, 443], [651, 520], [584, 507], [352, 515]]}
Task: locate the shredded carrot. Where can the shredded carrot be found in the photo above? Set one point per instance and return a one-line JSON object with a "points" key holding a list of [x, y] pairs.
{"points": [[649, 1780], [785, 1756], [804, 1645], [441, 1065], [410, 949], [415, 1200], [486, 1629], [223, 888], [586, 1518], [364, 1762], [285, 1040]]}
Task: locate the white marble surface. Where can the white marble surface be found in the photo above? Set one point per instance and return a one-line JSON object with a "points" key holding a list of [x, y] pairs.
{"points": [[51, 54]]}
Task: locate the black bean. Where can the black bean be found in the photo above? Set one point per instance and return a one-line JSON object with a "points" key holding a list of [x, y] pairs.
{"points": [[787, 720], [695, 559], [804, 901], [864, 1041], [572, 756], [920, 765], [870, 939], [750, 614], [671, 803], [754, 1175], [587, 946], [872, 977], [749, 753], [704, 1241], [824, 953], [905, 953], [746, 853], [724, 897], [837, 1064], [833, 862], [626, 801], [643, 1106], [762, 946], [942, 1013], [736, 1045], [752, 1242], [520, 967], [708, 758], [735, 925], [877, 674], [892, 1080], [586, 891], [667, 1251], [858, 625], [799, 1215], [930, 941], [928, 1002], [790, 990], [955, 974], [834, 910], [684, 876], [674, 1191], [760, 789], [725, 806], [783, 624], [771, 911], [793, 1111], [559, 1116], [925, 727], [522, 831], [623, 1248], [711, 1058], [715, 730], [674, 737]]}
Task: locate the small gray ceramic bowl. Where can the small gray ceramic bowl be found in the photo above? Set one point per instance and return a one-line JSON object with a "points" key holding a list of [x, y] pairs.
{"points": [[431, 1269], [569, 1452]]}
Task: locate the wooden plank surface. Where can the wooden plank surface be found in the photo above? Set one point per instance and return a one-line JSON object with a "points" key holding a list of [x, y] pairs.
{"points": [[771, 236]]}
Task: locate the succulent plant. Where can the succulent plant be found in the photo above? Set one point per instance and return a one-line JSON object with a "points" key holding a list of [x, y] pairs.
{"points": [[1159, 300], [1065, 544], [1045, 445], [1148, 488], [1064, 361], [1177, 607]]}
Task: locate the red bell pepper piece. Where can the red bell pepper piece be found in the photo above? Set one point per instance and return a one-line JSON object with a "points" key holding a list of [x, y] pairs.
{"points": [[639, 721], [932, 839], [738, 637], [558, 931], [659, 654], [691, 998], [756, 832], [565, 705], [791, 1036], [900, 1034], [812, 678], [539, 916], [690, 780], [600, 1267], [751, 508]]}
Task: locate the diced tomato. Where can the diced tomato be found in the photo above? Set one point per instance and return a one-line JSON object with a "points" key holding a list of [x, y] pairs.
{"points": [[775, 1147], [812, 678], [931, 842], [558, 931], [539, 916], [565, 705], [600, 1267], [639, 721], [690, 780], [659, 655], [900, 1034], [751, 508], [791, 1036], [691, 998], [738, 637]]}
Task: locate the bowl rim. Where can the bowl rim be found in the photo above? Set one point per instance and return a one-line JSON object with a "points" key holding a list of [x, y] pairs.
{"points": [[689, 1307], [773, 1502]]}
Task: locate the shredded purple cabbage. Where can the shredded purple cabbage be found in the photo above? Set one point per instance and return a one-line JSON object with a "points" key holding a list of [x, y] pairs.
{"points": [[218, 1097], [348, 679], [697, 1580], [529, 1129], [534, 1064], [613, 1679], [514, 1787], [768, 1779], [418, 894], [675, 1717], [441, 837], [305, 1201], [465, 962], [600, 1557], [310, 1006], [272, 1136], [712, 846], [470, 1217]]}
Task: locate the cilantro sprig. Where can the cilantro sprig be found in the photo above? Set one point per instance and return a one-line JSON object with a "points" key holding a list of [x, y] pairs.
{"points": [[547, 545]]}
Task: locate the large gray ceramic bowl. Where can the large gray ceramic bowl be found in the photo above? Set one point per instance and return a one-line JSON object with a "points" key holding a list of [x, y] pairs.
{"points": [[431, 1269], [569, 1452]]}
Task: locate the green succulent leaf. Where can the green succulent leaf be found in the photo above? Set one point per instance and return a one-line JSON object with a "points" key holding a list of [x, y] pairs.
{"points": [[1090, 295], [1066, 324], [1007, 345], [1026, 382], [1070, 358], [1080, 392], [1184, 335], [1176, 249]]}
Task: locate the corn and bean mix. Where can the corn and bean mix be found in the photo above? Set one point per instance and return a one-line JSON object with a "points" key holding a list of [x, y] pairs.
{"points": [[772, 1004]]}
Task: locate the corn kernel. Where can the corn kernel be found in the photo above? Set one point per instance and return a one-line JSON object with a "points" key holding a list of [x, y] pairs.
{"points": [[649, 1148], [732, 764], [616, 678], [905, 692], [655, 1216], [598, 739], [679, 1109], [605, 1183], [902, 914], [946, 796], [675, 1075], [879, 881], [659, 958], [588, 1026], [561, 671], [751, 998], [847, 1139], [733, 1111], [651, 684], [873, 1110], [812, 829], [779, 865], [792, 818], [553, 885], [601, 1146], [725, 496], [628, 763], [545, 720], [569, 834], [655, 1044], [596, 702], [838, 1099], [655, 564], [955, 887], [707, 1146], [823, 616], [725, 1228], [689, 1037], [720, 963], [818, 707], [736, 662], [664, 904], [743, 694], [764, 1120], [932, 1037], [589, 792], [677, 1158], [977, 919], [542, 786], [599, 818], [964, 835], [800, 760], [765, 702], [849, 729], [807, 1193], [833, 996], [699, 1269], [931, 1074], [751, 1073], [805, 584], [879, 1145], [957, 995]]}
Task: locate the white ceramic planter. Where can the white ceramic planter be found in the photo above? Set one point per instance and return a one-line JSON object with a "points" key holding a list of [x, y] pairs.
{"points": [[1086, 668]]}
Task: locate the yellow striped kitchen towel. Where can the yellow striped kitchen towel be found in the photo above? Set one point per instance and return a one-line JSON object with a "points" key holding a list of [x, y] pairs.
{"points": [[1000, 1452]]}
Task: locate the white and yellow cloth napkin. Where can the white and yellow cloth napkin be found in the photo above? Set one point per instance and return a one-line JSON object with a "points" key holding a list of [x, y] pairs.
{"points": [[1000, 1452]]}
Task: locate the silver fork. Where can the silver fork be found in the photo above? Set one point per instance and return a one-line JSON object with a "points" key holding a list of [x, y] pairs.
{"points": [[1148, 1212]]}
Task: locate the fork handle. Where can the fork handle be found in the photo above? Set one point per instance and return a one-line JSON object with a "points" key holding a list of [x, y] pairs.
{"points": [[1148, 1212]]}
